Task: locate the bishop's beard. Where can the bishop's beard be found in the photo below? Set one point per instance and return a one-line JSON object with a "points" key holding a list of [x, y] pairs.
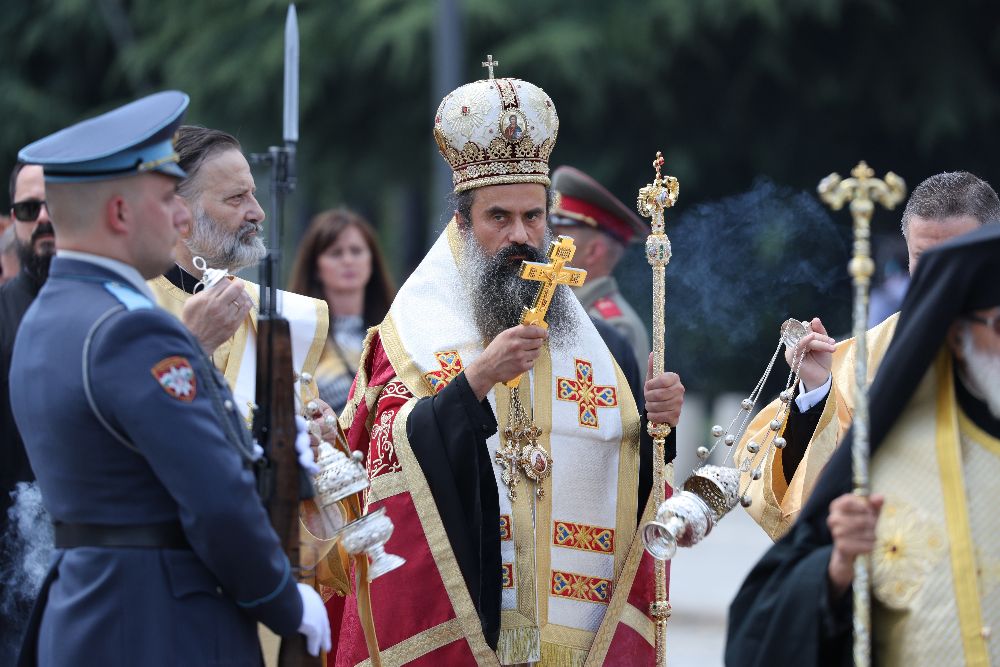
{"points": [[498, 294]]}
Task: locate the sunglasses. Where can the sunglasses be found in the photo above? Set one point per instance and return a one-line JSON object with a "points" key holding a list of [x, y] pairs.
{"points": [[28, 210], [992, 322]]}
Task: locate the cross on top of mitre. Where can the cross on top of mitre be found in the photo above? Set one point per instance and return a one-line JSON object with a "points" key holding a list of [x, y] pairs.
{"points": [[489, 64]]}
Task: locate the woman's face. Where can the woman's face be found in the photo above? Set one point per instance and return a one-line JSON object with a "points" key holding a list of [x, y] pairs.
{"points": [[346, 265]]}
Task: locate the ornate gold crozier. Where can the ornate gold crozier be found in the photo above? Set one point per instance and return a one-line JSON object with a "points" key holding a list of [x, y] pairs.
{"points": [[863, 190], [653, 199], [519, 447]]}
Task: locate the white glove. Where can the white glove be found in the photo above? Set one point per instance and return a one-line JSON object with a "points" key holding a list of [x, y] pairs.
{"points": [[315, 624], [302, 445]]}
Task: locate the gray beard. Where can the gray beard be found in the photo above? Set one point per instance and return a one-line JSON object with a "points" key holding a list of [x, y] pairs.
{"points": [[222, 250], [982, 372], [498, 294]]}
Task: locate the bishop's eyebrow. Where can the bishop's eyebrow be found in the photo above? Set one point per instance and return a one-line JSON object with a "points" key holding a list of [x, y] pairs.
{"points": [[497, 210]]}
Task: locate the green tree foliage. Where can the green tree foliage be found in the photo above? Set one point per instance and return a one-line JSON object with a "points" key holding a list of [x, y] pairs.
{"points": [[730, 90]]}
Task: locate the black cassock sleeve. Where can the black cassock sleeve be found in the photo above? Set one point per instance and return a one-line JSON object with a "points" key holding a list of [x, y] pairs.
{"points": [[447, 433]]}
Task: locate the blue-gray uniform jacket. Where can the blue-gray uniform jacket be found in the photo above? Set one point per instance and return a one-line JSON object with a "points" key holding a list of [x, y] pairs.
{"points": [[126, 423]]}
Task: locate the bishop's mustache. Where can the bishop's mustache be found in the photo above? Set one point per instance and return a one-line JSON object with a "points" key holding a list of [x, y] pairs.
{"points": [[516, 252]]}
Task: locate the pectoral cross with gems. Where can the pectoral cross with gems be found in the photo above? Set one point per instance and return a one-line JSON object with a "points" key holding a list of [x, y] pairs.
{"points": [[519, 444]]}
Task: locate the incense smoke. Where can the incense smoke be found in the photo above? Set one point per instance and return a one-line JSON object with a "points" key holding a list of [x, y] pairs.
{"points": [[25, 554], [741, 266]]}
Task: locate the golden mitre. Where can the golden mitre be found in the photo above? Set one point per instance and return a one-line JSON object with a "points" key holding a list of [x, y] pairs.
{"points": [[496, 132]]}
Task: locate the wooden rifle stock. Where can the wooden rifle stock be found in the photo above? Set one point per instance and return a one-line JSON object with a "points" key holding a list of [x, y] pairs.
{"points": [[281, 479]]}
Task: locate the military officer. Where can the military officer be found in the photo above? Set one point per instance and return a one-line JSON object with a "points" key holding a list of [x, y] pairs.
{"points": [[164, 553], [601, 226]]}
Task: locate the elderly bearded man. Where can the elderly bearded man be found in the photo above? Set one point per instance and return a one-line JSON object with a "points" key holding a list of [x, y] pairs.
{"points": [[164, 554], [510, 559], [226, 232], [940, 208], [930, 523]]}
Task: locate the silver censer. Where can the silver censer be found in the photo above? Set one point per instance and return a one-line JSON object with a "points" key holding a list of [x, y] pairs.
{"points": [[686, 518], [339, 478]]}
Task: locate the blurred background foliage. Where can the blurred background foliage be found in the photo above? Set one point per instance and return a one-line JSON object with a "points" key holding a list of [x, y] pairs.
{"points": [[752, 102]]}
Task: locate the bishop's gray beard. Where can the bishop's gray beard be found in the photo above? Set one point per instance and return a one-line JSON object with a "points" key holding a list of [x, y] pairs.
{"points": [[498, 293], [221, 249]]}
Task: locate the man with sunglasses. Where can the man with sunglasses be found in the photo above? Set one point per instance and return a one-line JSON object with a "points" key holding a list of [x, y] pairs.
{"points": [[35, 245], [163, 551]]}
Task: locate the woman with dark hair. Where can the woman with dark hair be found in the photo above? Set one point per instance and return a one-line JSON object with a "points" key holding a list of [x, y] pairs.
{"points": [[339, 261]]}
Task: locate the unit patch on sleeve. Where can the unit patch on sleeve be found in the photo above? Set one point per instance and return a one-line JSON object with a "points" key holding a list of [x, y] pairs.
{"points": [[177, 378]]}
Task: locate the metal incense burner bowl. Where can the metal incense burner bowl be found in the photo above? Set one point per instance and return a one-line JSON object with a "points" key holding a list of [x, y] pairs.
{"points": [[339, 478], [686, 518]]}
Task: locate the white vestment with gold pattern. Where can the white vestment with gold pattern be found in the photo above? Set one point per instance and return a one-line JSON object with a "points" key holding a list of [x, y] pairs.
{"points": [[936, 579]]}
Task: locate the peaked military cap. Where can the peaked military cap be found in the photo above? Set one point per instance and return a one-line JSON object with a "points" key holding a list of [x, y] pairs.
{"points": [[584, 201], [131, 139]]}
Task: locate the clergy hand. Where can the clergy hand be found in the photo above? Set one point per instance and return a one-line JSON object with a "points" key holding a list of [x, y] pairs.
{"points": [[511, 353], [323, 422], [852, 522], [213, 315], [818, 358], [664, 396]]}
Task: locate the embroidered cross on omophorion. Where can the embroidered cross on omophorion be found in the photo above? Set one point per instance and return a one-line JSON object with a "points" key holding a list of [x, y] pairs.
{"points": [[451, 366], [587, 396]]}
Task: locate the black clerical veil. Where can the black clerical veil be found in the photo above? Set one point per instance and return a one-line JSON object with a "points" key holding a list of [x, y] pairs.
{"points": [[782, 615]]}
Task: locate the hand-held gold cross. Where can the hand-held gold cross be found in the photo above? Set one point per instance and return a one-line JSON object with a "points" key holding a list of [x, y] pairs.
{"points": [[550, 275]]}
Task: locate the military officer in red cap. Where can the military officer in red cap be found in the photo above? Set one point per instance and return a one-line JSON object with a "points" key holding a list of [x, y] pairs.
{"points": [[601, 225]]}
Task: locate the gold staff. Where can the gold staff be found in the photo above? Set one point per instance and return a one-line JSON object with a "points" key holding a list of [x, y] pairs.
{"points": [[863, 190], [653, 199]]}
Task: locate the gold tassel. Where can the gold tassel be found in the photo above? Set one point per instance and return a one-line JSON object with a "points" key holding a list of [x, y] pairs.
{"points": [[519, 645], [557, 655]]}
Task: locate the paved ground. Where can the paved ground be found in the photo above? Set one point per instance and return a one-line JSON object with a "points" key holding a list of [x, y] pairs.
{"points": [[704, 580], [706, 577]]}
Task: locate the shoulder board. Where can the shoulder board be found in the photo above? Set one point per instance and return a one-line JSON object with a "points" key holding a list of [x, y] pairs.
{"points": [[607, 308], [128, 297]]}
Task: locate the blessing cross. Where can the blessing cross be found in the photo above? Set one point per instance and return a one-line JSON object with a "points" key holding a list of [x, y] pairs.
{"points": [[550, 275], [489, 63]]}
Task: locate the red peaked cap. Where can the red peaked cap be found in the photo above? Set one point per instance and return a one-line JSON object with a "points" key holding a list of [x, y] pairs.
{"points": [[584, 201]]}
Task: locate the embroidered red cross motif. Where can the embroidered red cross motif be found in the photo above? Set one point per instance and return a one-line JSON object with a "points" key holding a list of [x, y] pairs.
{"points": [[506, 530], [583, 537], [587, 396], [451, 365], [580, 587], [507, 575]]}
